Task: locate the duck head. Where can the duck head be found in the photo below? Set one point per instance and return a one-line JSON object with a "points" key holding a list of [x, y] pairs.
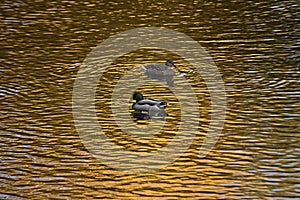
{"points": [[137, 96], [170, 63]]}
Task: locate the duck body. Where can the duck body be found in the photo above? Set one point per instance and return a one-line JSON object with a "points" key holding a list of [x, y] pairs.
{"points": [[160, 69], [161, 72], [153, 107]]}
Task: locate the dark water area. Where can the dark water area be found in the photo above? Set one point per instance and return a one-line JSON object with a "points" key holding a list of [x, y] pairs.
{"points": [[255, 47]]}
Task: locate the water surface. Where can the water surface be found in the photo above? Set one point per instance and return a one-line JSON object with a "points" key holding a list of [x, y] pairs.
{"points": [[255, 46]]}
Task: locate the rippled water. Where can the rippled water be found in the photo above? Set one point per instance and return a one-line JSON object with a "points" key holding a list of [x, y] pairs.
{"points": [[255, 46]]}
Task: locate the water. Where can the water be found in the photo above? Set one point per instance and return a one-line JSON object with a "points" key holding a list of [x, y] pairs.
{"points": [[255, 47]]}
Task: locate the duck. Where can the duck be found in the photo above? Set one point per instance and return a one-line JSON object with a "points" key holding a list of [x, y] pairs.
{"points": [[161, 72], [161, 69], [152, 107]]}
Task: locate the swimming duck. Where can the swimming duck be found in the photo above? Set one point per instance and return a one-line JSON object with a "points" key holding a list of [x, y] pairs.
{"points": [[161, 72], [161, 69], [153, 107]]}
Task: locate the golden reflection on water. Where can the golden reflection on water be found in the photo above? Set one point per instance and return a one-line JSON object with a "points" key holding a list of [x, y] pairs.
{"points": [[254, 46], [151, 89]]}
